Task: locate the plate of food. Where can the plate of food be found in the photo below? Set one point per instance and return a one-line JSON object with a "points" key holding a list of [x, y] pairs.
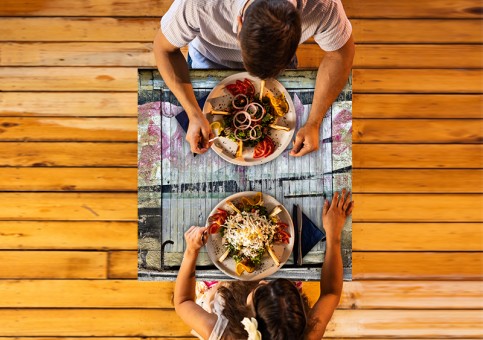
{"points": [[253, 120], [251, 235]]}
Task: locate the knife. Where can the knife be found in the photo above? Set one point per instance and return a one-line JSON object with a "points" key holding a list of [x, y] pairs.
{"points": [[299, 241]]}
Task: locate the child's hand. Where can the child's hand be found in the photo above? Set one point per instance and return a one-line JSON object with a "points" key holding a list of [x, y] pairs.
{"points": [[335, 214], [195, 238]]}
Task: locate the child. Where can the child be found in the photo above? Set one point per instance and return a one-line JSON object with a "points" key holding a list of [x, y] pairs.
{"points": [[263, 310]]}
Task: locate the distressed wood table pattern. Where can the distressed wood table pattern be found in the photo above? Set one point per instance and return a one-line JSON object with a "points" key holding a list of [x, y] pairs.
{"points": [[177, 190]]}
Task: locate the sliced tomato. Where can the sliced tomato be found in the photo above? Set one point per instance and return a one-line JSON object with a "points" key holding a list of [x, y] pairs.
{"points": [[222, 212], [270, 146], [282, 226], [213, 228], [250, 87], [260, 149], [233, 89]]}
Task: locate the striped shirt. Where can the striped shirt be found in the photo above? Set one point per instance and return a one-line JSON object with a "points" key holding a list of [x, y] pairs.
{"points": [[210, 28]]}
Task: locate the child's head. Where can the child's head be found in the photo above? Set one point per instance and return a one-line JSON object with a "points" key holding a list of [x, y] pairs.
{"points": [[280, 310]]}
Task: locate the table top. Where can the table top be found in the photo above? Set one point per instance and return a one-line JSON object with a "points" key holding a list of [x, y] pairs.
{"points": [[177, 190]]}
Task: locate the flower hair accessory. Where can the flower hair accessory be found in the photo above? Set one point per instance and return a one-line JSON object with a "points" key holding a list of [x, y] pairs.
{"points": [[251, 326]]}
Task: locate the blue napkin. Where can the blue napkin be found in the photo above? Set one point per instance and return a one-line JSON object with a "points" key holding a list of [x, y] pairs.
{"points": [[311, 235]]}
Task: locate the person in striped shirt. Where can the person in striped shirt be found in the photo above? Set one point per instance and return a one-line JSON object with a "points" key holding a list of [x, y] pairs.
{"points": [[261, 36]]}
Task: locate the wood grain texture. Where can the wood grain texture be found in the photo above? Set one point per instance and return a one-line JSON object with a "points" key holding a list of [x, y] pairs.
{"points": [[417, 208], [354, 8], [450, 131], [77, 54], [146, 322], [416, 31], [79, 104], [40, 154], [52, 265], [417, 156], [68, 129], [68, 179], [417, 106], [68, 79], [158, 294], [123, 265], [401, 56], [68, 235], [413, 9], [416, 81], [417, 236], [404, 265], [68, 206], [141, 55], [79, 29], [417, 181], [137, 29]]}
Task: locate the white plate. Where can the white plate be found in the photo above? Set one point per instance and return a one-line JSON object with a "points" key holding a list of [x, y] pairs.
{"points": [[219, 99], [267, 267]]}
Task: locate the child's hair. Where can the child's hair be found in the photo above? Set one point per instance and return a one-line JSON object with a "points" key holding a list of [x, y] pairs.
{"points": [[280, 309]]}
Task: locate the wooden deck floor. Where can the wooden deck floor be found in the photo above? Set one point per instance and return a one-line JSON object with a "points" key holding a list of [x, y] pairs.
{"points": [[68, 134]]}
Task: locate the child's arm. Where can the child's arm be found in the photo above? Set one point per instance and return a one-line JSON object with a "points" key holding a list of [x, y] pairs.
{"points": [[184, 292], [333, 216]]}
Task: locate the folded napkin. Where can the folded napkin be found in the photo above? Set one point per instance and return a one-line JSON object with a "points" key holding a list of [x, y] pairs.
{"points": [[311, 235], [182, 117]]}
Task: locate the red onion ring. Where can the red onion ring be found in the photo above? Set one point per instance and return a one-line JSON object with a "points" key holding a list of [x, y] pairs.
{"points": [[254, 129], [239, 123], [236, 97], [253, 113]]}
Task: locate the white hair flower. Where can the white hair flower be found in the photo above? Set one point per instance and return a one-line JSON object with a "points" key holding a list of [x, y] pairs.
{"points": [[251, 326]]}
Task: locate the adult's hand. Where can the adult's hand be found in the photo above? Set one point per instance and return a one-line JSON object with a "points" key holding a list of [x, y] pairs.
{"points": [[199, 133], [335, 213], [306, 140]]}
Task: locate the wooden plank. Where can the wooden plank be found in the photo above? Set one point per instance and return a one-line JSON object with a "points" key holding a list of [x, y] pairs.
{"points": [[146, 322], [389, 56], [140, 55], [68, 129], [68, 235], [417, 236], [417, 265], [79, 104], [144, 29], [416, 81], [417, 181], [159, 294], [418, 208], [77, 54], [427, 56], [66, 8], [52, 265], [123, 265], [417, 156], [416, 106], [68, 79], [152, 8], [68, 179], [414, 31], [453, 131], [413, 9], [39, 154], [80, 29], [68, 206]]}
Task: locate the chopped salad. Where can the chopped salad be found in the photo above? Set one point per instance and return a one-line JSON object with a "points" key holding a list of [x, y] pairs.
{"points": [[250, 117], [248, 230]]}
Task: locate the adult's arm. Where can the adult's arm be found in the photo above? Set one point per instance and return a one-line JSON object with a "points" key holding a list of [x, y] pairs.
{"points": [[332, 75], [334, 216], [174, 70], [184, 291]]}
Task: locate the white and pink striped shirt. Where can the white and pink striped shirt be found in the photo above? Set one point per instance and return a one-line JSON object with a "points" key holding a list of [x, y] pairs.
{"points": [[210, 28]]}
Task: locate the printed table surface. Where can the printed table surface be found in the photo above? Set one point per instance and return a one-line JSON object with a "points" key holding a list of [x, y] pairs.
{"points": [[177, 190]]}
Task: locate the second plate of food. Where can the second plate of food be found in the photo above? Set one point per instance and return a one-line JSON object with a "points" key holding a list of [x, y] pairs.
{"points": [[252, 130], [251, 235]]}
